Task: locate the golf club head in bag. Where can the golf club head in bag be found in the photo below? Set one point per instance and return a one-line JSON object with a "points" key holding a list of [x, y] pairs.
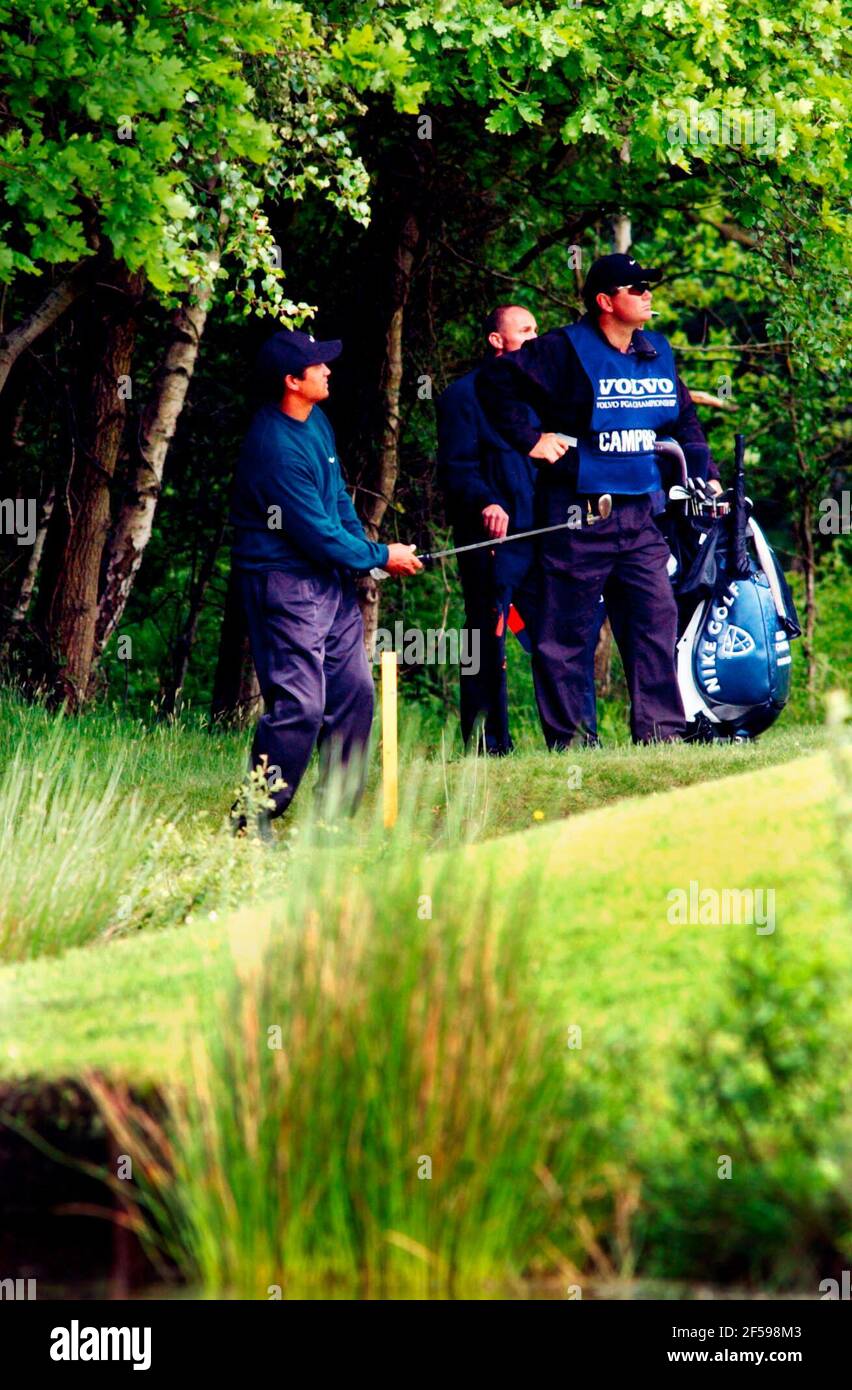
{"points": [[736, 620]]}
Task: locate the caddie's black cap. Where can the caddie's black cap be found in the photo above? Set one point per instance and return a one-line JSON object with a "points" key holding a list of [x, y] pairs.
{"points": [[290, 351], [609, 271]]}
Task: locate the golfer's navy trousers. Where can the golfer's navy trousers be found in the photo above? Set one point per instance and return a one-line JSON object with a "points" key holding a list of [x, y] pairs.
{"points": [[624, 558], [307, 643]]}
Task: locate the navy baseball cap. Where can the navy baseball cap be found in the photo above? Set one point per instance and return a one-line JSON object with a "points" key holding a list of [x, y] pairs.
{"points": [[609, 271], [289, 352]]}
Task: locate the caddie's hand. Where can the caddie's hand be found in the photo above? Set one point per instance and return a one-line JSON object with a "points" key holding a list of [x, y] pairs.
{"points": [[402, 560], [550, 448], [704, 488], [495, 520]]}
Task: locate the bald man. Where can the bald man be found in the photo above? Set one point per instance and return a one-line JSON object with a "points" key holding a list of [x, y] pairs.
{"points": [[489, 489]]}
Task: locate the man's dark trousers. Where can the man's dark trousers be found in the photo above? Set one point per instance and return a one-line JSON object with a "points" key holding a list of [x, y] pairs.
{"points": [[624, 557], [491, 583], [307, 643]]}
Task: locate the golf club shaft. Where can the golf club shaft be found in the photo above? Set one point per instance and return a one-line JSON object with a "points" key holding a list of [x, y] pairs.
{"points": [[502, 540], [429, 556], [496, 540]]}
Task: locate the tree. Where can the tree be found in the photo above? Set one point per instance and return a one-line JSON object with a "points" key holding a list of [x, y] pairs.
{"points": [[518, 119], [635, 107], [139, 143]]}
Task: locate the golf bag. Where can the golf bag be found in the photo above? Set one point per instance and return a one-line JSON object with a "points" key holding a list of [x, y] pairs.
{"points": [[736, 616]]}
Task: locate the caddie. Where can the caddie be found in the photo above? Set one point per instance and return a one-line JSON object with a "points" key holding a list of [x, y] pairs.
{"points": [[612, 386], [298, 543]]}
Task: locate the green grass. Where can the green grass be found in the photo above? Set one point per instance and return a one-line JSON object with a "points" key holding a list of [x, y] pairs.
{"points": [[696, 1041], [120, 1011], [108, 826], [431, 987], [402, 1042], [119, 1006], [180, 768]]}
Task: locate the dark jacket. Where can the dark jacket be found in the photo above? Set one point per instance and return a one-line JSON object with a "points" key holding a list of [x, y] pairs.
{"points": [[476, 467], [289, 506], [545, 376]]}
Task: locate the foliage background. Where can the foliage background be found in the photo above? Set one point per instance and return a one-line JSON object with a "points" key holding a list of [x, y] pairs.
{"points": [[368, 170]]}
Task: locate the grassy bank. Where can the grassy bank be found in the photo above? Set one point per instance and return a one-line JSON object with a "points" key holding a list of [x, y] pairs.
{"points": [[521, 1013], [109, 826]]}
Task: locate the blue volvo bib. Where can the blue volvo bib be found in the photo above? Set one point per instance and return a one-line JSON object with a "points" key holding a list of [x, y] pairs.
{"points": [[634, 400]]}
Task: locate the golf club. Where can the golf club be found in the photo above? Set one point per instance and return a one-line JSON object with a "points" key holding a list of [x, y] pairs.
{"points": [[429, 557]]}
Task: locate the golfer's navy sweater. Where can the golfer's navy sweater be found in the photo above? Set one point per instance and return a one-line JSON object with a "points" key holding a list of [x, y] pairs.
{"points": [[289, 508]]}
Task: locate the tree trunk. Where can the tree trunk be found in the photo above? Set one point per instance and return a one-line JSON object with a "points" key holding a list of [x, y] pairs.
{"points": [[174, 683], [384, 480], [603, 661], [135, 521], [25, 593], [236, 691], [250, 701], [807, 556], [621, 230], [804, 527], [14, 562], [101, 418], [621, 234]]}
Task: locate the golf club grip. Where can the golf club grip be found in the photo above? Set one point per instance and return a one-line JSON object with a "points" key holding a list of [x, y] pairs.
{"points": [[379, 575]]}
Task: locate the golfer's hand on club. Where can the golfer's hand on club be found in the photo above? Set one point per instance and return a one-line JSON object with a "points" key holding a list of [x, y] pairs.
{"points": [[550, 447], [402, 560], [495, 520]]}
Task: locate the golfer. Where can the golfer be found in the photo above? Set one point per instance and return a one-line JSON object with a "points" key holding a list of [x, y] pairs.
{"points": [[489, 489], [612, 386], [298, 542]]}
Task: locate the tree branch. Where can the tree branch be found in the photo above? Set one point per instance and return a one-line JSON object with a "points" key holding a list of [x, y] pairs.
{"points": [[730, 231], [571, 228], [52, 307], [501, 275]]}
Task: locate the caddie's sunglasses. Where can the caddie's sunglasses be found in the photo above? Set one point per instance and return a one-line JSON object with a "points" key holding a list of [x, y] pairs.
{"points": [[638, 288]]}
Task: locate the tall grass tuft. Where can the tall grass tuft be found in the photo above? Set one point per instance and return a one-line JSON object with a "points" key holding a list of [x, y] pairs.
{"points": [[374, 1103], [71, 836]]}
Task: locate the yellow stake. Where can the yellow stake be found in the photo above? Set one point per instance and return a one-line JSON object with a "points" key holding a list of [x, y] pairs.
{"points": [[390, 756]]}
